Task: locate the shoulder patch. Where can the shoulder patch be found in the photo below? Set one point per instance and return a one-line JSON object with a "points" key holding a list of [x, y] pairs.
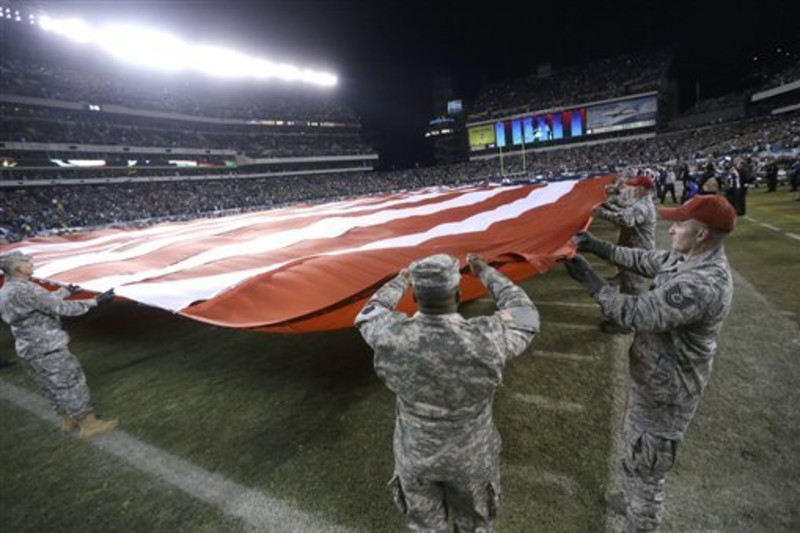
{"points": [[675, 298]]}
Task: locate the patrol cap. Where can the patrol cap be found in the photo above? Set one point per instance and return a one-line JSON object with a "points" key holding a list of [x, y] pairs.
{"points": [[435, 274], [714, 211], [641, 181], [8, 260]]}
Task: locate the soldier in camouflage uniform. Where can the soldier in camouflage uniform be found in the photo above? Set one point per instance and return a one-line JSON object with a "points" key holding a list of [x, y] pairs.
{"points": [[444, 370], [677, 324], [637, 219], [637, 222], [34, 316]]}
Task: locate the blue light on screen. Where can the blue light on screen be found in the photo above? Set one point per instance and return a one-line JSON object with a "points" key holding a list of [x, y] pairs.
{"points": [[542, 129], [527, 129], [500, 134], [516, 132], [558, 127], [577, 124]]}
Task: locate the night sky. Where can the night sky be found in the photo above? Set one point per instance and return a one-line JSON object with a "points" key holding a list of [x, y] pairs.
{"points": [[385, 52]]}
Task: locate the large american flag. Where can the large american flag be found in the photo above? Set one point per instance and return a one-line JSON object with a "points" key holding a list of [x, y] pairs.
{"points": [[307, 268]]}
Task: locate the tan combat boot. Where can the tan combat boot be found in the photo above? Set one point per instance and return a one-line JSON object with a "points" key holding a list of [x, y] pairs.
{"points": [[68, 424], [91, 426]]}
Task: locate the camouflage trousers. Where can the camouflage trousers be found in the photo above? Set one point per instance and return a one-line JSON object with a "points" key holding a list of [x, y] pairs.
{"points": [[61, 378], [647, 460], [427, 505]]}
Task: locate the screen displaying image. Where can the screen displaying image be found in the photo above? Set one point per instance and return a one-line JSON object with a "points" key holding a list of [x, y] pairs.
{"points": [[577, 124], [481, 137], [500, 134], [527, 130], [516, 132], [558, 127], [622, 115]]}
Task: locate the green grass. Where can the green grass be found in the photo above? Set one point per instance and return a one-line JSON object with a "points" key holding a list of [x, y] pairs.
{"points": [[770, 259], [54, 483], [304, 419]]}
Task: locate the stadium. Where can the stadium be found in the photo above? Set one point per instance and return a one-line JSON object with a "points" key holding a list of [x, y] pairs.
{"points": [[246, 207]]}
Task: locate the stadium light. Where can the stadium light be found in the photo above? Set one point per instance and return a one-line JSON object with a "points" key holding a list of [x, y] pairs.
{"points": [[143, 46], [74, 29], [153, 48]]}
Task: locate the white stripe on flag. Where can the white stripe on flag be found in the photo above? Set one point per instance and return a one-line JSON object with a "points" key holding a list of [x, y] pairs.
{"points": [[326, 228], [177, 294]]}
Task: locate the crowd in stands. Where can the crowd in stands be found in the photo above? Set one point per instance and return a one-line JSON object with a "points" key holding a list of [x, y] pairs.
{"points": [[786, 75], [258, 142], [190, 95], [25, 211], [626, 74], [715, 104]]}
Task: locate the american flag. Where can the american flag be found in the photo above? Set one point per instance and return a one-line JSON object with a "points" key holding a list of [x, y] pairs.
{"points": [[307, 268]]}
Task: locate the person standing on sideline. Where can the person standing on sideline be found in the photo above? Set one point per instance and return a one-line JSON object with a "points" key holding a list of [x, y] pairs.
{"points": [[677, 325], [34, 315], [670, 178], [444, 370]]}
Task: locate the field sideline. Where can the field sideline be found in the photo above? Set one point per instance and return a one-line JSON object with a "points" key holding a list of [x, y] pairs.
{"points": [[233, 431]]}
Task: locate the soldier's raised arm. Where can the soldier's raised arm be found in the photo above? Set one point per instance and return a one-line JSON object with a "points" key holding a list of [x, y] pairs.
{"points": [[381, 307], [682, 300], [644, 262], [628, 217], [517, 318], [34, 297]]}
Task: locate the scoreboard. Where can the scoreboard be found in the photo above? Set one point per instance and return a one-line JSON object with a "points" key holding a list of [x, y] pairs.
{"points": [[565, 125]]}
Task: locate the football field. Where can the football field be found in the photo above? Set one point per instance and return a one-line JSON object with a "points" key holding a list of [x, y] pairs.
{"points": [[225, 430]]}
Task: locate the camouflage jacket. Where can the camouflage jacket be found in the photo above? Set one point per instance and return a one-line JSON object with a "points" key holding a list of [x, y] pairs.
{"points": [[34, 316], [444, 370], [638, 217], [677, 324]]}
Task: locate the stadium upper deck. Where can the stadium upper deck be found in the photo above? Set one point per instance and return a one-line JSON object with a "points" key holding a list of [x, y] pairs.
{"points": [[61, 102], [550, 88]]}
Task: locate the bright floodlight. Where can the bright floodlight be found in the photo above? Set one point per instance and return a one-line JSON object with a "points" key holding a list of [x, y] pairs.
{"points": [[157, 49], [74, 29], [143, 46]]}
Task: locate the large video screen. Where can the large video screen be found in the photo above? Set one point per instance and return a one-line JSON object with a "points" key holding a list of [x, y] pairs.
{"points": [[622, 115], [537, 129], [481, 137], [565, 125]]}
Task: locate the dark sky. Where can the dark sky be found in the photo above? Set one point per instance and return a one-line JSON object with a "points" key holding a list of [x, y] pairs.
{"points": [[386, 51]]}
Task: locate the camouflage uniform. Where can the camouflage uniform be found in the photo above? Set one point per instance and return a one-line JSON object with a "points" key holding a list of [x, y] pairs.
{"points": [[637, 220], [34, 316], [444, 370], [677, 324]]}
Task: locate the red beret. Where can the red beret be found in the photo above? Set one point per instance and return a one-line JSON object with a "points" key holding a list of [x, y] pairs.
{"points": [[714, 211], [641, 181]]}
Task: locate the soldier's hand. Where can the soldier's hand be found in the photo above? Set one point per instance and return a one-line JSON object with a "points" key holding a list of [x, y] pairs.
{"points": [[580, 270], [106, 297], [586, 242], [477, 264], [73, 289], [405, 274]]}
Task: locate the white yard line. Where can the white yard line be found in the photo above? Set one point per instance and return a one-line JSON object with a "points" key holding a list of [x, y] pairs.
{"points": [[770, 226], [549, 403], [563, 356], [250, 505], [793, 236]]}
